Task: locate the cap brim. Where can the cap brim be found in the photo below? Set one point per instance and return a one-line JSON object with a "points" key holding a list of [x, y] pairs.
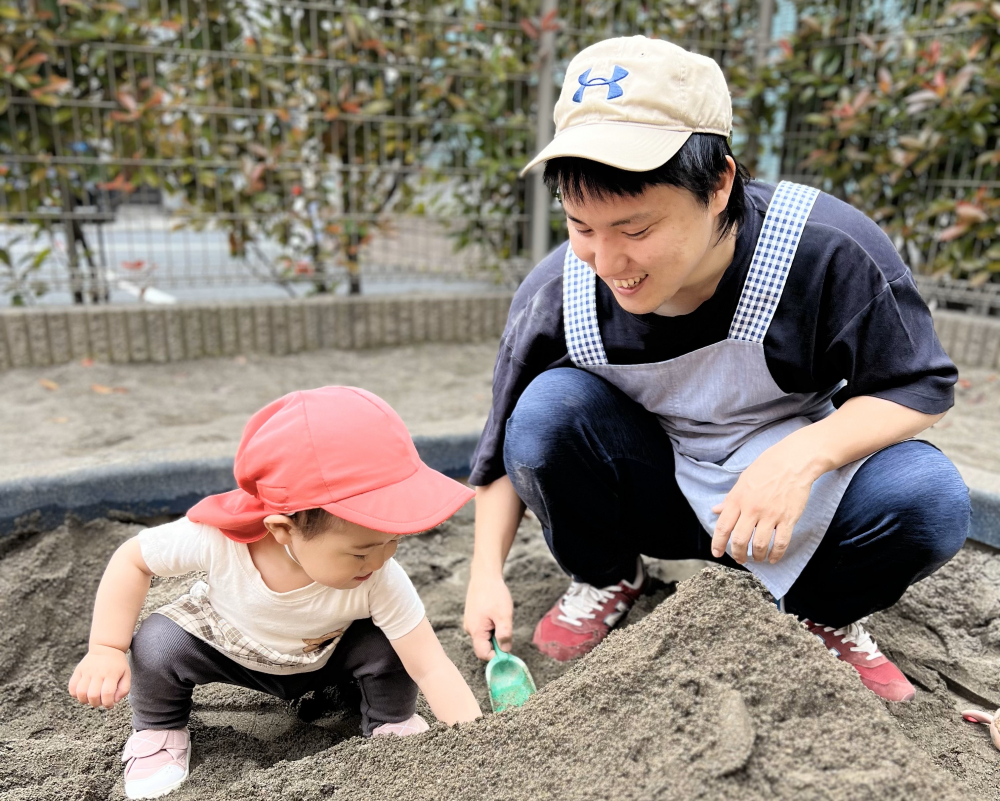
{"points": [[419, 502], [627, 146]]}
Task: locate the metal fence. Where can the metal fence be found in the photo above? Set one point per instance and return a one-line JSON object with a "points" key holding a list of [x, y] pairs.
{"points": [[189, 149], [194, 147], [179, 149]]}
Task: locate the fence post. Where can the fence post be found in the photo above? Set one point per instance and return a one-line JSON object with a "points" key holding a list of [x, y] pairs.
{"points": [[751, 155], [540, 198]]}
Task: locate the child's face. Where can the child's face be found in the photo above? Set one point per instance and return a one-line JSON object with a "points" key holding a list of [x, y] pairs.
{"points": [[345, 556]]}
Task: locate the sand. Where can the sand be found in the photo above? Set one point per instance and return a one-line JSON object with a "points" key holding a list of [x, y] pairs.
{"points": [[708, 693], [437, 389]]}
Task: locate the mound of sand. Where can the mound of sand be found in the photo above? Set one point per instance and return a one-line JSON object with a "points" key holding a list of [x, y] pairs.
{"points": [[710, 693]]}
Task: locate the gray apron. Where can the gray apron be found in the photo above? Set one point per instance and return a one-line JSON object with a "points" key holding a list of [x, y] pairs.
{"points": [[719, 404]]}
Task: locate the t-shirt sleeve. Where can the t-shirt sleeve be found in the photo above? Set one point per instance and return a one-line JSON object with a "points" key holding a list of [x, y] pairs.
{"points": [[890, 350], [532, 343], [395, 606], [850, 313], [178, 547]]}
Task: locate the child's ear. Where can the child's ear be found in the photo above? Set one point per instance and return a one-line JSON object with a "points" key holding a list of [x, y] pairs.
{"points": [[281, 528]]}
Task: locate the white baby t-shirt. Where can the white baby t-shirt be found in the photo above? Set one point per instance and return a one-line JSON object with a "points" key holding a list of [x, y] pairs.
{"points": [[263, 630]]}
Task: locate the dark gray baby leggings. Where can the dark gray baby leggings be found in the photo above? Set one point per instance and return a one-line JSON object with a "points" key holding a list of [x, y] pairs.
{"points": [[168, 662]]}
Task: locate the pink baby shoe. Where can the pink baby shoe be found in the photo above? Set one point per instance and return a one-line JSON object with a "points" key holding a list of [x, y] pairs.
{"points": [[157, 762], [414, 725]]}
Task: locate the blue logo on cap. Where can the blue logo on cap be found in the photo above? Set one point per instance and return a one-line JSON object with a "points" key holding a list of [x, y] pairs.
{"points": [[614, 90]]}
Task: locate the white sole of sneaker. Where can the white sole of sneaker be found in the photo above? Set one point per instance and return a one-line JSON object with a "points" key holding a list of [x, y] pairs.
{"points": [[137, 793]]}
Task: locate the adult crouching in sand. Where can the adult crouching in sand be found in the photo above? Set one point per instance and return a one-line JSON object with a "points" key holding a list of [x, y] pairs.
{"points": [[741, 385]]}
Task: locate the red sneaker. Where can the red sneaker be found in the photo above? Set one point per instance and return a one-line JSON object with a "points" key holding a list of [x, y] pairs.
{"points": [[584, 615], [878, 674]]}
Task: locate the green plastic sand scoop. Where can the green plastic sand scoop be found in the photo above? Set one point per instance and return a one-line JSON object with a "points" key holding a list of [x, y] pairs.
{"points": [[509, 680]]}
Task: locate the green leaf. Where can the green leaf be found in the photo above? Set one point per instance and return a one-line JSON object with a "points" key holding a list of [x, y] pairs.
{"points": [[39, 258], [376, 107]]}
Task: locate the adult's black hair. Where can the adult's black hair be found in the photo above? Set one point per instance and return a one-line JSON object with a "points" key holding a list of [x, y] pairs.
{"points": [[698, 167]]}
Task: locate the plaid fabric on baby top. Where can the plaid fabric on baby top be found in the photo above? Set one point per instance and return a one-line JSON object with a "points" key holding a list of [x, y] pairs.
{"points": [[193, 612]]}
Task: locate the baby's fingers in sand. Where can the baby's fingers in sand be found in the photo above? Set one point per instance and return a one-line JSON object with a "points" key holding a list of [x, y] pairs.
{"points": [[94, 691], [73, 681], [82, 687], [124, 685], [109, 692]]}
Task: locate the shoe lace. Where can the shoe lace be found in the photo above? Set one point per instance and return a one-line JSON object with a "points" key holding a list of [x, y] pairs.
{"points": [[581, 602], [856, 633]]}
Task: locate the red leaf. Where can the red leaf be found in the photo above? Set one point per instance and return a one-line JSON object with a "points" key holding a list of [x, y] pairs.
{"points": [[548, 22], [374, 44], [969, 213], [529, 29], [119, 184], [127, 100], [977, 46], [952, 232], [884, 80], [33, 61], [24, 49]]}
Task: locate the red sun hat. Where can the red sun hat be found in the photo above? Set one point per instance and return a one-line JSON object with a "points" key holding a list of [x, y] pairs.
{"points": [[342, 449]]}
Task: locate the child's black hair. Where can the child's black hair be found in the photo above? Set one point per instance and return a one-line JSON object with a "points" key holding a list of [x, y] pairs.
{"points": [[699, 166], [311, 522]]}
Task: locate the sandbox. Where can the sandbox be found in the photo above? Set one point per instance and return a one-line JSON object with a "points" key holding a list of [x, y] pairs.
{"points": [[708, 693]]}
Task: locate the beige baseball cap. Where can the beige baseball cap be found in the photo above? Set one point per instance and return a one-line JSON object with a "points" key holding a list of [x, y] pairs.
{"points": [[632, 102]]}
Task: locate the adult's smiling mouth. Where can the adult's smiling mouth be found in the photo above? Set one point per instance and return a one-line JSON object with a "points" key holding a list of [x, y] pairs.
{"points": [[628, 283]]}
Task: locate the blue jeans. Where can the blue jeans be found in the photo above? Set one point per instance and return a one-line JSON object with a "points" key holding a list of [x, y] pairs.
{"points": [[598, 471]]}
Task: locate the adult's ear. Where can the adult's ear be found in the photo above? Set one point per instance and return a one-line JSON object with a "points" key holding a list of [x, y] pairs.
{"points": [[281, 528], [720, 198]]}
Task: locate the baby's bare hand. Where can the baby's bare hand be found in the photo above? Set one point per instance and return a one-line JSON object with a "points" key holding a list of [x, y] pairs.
{"points": [[102, 678]]}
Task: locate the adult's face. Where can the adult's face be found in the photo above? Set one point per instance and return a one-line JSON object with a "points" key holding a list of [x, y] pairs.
{"points": [[653, 248]]}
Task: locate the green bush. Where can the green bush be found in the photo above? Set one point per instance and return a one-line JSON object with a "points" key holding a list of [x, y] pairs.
{"points": [[903, 125]]}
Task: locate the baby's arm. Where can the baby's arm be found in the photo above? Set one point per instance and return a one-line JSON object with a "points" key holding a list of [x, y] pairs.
{"points": [[446, 691], [102, 678]]}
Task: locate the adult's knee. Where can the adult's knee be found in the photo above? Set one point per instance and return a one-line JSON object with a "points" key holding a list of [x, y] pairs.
{"points": [[555, 410], [930, 500]]}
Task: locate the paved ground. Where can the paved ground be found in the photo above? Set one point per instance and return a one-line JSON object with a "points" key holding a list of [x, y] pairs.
{"points": [[58, 417]]}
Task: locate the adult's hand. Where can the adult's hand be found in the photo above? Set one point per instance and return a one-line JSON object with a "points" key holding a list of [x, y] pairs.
{"points": [[772, 493], [489, 609], [767, 501]]}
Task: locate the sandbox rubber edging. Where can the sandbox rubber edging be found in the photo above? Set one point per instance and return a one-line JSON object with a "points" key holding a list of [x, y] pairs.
{"points": [[148, 488]]}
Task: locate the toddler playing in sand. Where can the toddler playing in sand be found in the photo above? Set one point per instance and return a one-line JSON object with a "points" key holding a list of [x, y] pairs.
{"points": [[301, 591]]}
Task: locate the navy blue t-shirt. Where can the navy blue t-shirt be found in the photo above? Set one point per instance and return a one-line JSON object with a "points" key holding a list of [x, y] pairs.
{"points": [[849, 311]]}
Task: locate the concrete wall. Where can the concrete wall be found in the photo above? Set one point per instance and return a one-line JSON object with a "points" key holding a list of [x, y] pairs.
{"points": [[144, 333], [971, 340], [141, 333]]}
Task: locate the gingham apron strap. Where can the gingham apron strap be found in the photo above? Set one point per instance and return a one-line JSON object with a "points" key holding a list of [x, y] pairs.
{"points": [[772, 258], [583, 337]]}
